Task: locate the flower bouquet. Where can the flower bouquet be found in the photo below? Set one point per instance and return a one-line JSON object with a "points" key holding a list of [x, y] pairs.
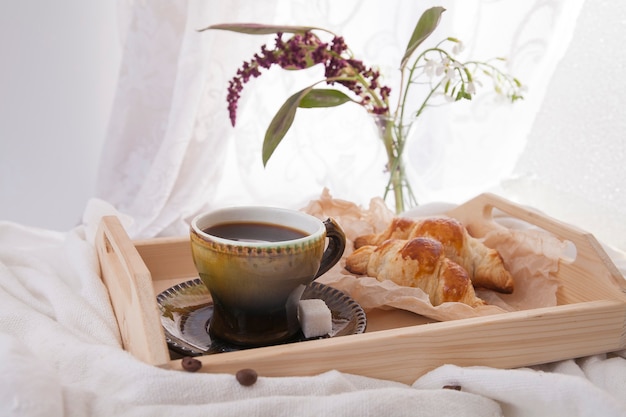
{"points": [[353, 81]]}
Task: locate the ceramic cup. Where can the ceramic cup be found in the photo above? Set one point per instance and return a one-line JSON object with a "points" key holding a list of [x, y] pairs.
{"points": [[256, 262]]}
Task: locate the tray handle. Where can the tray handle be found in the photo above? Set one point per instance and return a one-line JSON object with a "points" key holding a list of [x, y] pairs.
{"points": [[591, 259], [129, 283]]}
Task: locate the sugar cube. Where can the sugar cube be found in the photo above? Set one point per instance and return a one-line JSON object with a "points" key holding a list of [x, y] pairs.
{"points": [[315, 318]]}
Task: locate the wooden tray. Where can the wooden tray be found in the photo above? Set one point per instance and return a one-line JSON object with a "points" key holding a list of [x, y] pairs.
{"points": [[590, 317]]}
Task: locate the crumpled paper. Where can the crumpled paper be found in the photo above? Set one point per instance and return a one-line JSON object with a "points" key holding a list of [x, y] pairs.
{"points": [[531, 256]]}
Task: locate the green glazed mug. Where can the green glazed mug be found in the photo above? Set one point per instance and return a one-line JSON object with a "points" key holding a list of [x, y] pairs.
{"points": [[256, 262]]}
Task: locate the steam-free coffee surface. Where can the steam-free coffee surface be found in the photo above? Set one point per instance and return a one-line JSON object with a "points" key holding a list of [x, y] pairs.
{"points": [[254, 232]]}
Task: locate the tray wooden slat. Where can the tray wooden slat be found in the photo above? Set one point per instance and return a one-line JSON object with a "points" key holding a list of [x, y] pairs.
{"points": [[502, 341], [132, 295]]}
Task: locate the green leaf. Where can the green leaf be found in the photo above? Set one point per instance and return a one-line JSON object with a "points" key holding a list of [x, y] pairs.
{"points": [[463, 94], [280, 124], [259, 29], [323, 97], [426, 25]]}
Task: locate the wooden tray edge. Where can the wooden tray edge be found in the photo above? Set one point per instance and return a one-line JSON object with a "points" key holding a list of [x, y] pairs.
{"points": [[404, 354], [131, 293]]}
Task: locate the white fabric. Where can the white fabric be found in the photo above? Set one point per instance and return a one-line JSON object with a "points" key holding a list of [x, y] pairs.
{"points": [[573, 165], [61, 356], [171, 152]]}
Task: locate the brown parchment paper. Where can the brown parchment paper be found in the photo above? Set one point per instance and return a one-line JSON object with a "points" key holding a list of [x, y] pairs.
{"points": [[530, 255]]}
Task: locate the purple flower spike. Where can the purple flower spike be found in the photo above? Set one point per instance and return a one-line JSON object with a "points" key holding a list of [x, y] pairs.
{"points": [[301, 51]]}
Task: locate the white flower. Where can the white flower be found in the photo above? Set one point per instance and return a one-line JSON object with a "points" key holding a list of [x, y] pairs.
{"points": [[444, 67], [430, 68], [451, 69], [458, 47], [471, 88]]}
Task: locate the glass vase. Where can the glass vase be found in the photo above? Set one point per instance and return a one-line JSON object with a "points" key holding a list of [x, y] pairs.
{"points": [[394, 136]]}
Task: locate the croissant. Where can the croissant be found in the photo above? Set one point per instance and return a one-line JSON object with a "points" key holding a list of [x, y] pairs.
{"points": [[484, 265], [419, 263]]}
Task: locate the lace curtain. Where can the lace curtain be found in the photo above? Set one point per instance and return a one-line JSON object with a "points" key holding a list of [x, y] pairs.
{"points": [[170, 151], [573, 164]]}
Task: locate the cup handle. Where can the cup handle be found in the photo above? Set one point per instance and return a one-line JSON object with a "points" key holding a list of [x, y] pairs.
{"points": [[336, 246]]}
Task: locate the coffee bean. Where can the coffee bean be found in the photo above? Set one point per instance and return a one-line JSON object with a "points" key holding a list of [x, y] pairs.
{"points": [[454, 387], [246, 377], [191, 364]]}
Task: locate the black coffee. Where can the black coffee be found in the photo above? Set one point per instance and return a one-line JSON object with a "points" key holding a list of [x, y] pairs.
{"points": [[254, 232]]}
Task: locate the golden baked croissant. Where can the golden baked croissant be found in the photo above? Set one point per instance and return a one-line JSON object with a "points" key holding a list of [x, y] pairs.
{"points": [[419, 263], [484, 265]]}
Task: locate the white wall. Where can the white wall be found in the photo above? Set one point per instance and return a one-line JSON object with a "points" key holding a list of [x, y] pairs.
{"points": [[58, 70]]}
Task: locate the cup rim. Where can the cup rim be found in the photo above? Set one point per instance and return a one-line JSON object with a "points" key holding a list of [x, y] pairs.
{"points": [[261, 214]]}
